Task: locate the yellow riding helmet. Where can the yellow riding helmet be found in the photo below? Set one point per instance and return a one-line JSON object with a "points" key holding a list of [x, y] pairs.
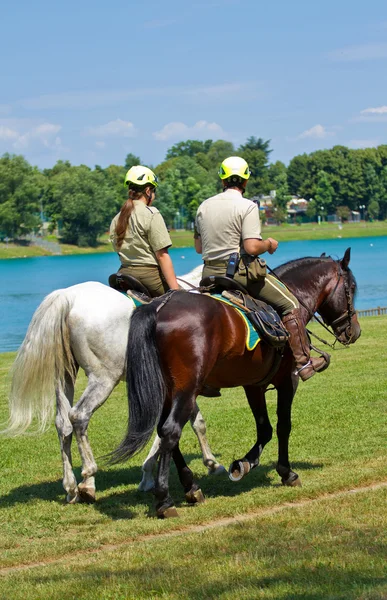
{"points": [[234, 165], [139, 175]]}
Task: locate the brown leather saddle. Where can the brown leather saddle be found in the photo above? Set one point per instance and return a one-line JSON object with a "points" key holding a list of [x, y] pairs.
{"points": [[261, 315]]}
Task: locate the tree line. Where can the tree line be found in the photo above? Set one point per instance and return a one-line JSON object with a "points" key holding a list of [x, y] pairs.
{"points": [[80, 202]]}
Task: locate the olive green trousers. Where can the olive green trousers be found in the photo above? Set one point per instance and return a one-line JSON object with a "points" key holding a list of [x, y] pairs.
{"points": [[150, 276]]}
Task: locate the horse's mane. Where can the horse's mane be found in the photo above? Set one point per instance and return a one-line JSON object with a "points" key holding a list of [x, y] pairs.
{"points": [[298, 262], [309, 261]]}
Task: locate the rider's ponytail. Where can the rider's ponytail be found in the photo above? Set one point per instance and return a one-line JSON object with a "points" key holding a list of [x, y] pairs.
{"points": [[124, 216]]}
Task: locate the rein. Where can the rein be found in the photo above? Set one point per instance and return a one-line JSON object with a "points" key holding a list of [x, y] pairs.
{"points": [[347, 315], [190, 285]]}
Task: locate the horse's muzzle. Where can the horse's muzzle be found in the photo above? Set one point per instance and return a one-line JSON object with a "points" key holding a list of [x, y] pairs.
{"points": [[351, 333]]}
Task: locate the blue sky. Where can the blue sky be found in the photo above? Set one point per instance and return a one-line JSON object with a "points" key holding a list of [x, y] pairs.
{"points": [[91, 81]]}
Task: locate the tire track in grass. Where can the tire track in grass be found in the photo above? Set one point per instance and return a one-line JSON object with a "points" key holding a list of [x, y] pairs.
{"points": [[224, 522]]}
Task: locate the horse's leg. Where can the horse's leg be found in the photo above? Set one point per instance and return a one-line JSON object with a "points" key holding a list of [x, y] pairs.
{"points": [[286, 392], [193, 493], [64, 402], [257, 401], [199, 426], [97, 391], [169, 430], [147, 482]]}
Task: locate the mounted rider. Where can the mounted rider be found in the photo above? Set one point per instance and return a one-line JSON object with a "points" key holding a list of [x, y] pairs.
{"points": [[140, 237], [227, 230]]}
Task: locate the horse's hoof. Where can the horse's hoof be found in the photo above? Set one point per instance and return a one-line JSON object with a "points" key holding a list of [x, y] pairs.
{"points": [[167, 513], [87, 494], [195, 497], [73, 498], [292, 481], [238, 469], [217, 470], [146, 485]]}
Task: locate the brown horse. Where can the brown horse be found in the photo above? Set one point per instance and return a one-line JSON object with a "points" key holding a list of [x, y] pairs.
{"points": [[192, 339]]}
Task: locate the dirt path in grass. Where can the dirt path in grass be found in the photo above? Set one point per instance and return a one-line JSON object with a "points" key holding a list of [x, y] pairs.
{"points": [[224, 522]]}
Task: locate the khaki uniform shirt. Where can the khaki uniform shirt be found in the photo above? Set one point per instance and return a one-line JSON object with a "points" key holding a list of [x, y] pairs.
{"points": [[224, 221], [145, 235]]}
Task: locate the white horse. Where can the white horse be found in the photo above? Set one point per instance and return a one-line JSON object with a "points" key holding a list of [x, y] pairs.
{"points": [[84, 326]]}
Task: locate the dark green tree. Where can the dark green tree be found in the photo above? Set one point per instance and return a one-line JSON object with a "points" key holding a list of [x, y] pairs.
{"points": [[301, 176], [256, 152], [188, 148], [343, 212], [324, 194], [373, 209], [373, 189], [131, 160], [282, 197], [21, 188], [274, 171], [80, 200]]}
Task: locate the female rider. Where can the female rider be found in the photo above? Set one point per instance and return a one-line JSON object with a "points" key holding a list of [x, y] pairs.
{"points": [[140, 237]]}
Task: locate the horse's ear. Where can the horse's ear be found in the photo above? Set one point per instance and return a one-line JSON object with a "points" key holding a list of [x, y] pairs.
{"points": [[323, 255], [346, 258]]}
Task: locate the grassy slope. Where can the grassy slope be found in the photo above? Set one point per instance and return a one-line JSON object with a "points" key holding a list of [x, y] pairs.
{"points": [[333, 549], [183, 239]]}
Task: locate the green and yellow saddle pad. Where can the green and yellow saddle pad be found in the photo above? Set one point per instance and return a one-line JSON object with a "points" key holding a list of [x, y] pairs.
{"points": [[252, 337]]}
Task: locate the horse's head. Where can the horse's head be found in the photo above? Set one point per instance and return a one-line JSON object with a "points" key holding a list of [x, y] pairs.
{"points": [[337, 308]]}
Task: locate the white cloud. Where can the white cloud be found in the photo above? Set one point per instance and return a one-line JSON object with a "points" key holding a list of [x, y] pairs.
{"points": [[44, 134], [379, 110], [7, 134], [100, 145], [176, 129], [361, 52], [316, 132], [22, 133], [117, 128]]}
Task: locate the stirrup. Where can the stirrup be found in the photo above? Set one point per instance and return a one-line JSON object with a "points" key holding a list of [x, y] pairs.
{"points": [[308, 364]]}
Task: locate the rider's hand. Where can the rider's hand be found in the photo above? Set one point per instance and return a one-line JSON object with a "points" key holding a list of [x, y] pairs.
{"points": [[273, 245]]}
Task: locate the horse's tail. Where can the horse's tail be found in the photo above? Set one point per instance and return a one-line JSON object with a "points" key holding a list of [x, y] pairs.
{"points": [[41, 365], [145, 382]]}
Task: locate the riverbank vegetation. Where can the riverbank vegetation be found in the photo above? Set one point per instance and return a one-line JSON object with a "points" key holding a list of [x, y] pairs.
{"points": [[317, 541], [79, 202], [184, 239]]}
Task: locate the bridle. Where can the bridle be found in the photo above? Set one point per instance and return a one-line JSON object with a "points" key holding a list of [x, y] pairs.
{"points": [[344, 322], [339, 325]]}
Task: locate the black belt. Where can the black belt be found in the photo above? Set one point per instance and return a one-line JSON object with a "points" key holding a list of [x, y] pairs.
{"points": [[216, 263]]}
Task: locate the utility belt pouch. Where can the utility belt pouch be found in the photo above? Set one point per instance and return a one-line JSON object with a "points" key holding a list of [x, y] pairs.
{"points": [[255, 267], [232, 265]]}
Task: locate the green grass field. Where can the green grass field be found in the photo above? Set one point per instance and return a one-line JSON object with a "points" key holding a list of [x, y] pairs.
{"points": [[184, 239], [313, 542]]}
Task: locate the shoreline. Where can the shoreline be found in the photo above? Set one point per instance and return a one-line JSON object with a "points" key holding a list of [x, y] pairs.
{"points": [[184, 238]]}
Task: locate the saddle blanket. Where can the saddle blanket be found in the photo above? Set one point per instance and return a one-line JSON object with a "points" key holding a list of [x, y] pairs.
{"points": [[252, 336]]}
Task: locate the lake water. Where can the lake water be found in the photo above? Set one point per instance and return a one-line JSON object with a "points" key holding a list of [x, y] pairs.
{"points": [[25, 282]]}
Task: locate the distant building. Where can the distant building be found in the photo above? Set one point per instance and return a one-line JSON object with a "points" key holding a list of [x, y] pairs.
{"points": [[296, 207]]}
